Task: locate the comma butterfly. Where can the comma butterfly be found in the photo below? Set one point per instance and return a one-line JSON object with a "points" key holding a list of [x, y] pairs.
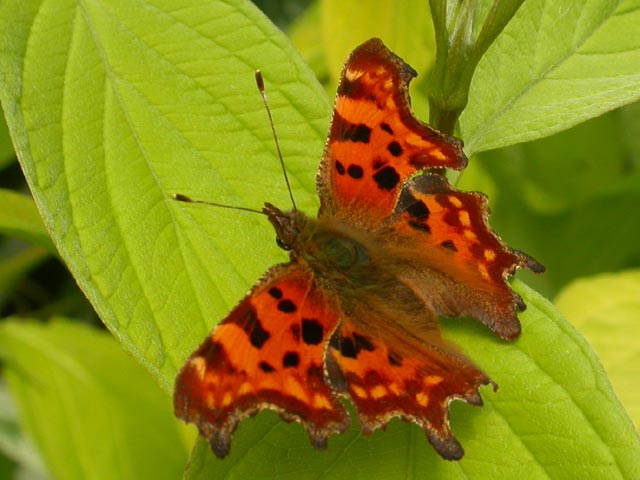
{"points": [[354, 312]]}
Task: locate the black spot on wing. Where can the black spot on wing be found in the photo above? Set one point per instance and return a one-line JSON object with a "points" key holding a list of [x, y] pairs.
{"points": [[348, 88], [252, 326], [275, 292], [346, 131], [266, 367], [378, 162], [387, 178], [418, 210], [214, 354], [394, 359], [423, 227], [339, 168], [355, 171], [287, 306], [350, 347], [312, 331], [362, 343], [394, 149], [449, 245], [290, 360], [386, 127], [347, 348]]}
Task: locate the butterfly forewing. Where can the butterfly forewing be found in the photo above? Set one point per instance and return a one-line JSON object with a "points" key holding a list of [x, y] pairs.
{"points": [[268, 353], [375, 143]]}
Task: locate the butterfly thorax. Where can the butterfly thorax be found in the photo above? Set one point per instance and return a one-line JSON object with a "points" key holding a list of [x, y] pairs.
{"points": [[336, 253]]}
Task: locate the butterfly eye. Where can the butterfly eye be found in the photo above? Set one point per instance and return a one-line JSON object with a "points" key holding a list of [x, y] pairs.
{"points": [[282, 245]]}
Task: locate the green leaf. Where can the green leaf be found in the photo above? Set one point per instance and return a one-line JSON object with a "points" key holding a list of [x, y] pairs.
{"points": [[6, 147], [595, 155], [115, 107], [13, 443], [556, 64], [554, 416], [606, 309], [16, 266], [19, 218], [91, 410], [304, 32], [577, 227], [405, 27], [464, 32]]}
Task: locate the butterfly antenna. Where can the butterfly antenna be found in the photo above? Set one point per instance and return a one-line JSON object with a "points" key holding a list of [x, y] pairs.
{"points": [[260, 83], [183, 198]]}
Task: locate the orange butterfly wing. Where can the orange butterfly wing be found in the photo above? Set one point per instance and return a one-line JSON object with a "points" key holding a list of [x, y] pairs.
{"points": [[267, 353], [382, 171], [375, 143], [392, 362], [382, 384], [448, 233]]}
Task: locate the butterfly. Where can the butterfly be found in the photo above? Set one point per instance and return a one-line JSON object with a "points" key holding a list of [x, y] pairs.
{"points": [[354, 313]]}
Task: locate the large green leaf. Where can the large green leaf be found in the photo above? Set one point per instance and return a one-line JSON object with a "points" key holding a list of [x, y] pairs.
{"points": [[606, 308], [405, 27], [570, 200], [92, 411], [19, 218], [15, 267], [114, 106], [554, 416], [6, 148], [557, 63], [13, 443]]}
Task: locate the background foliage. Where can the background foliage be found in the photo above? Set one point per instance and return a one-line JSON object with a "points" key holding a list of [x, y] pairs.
{"points": [[113, 106]]}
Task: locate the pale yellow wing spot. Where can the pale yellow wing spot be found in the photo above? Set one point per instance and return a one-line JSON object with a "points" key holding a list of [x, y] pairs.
{"points": [[226, 399], [422, 399], [417, 141], [432, 380], [199, 364], [489, 255], [394, 388], [245, 388], [455, 201], [482, 268], [378, 391], [320, 401], [293, 387], [352, 75], [359, 391], [464, 218], [468, 234], [437, 153]]}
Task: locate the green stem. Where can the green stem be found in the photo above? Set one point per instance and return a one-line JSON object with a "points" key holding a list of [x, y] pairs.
{"points": [[458, 54]]}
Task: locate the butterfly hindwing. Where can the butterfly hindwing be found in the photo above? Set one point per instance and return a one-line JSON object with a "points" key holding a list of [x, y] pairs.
{"points": [[389, 373], [267, 354], [449, 234]]}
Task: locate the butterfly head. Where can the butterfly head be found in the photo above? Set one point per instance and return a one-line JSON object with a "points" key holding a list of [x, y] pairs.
{"points": [[288, 225]]}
